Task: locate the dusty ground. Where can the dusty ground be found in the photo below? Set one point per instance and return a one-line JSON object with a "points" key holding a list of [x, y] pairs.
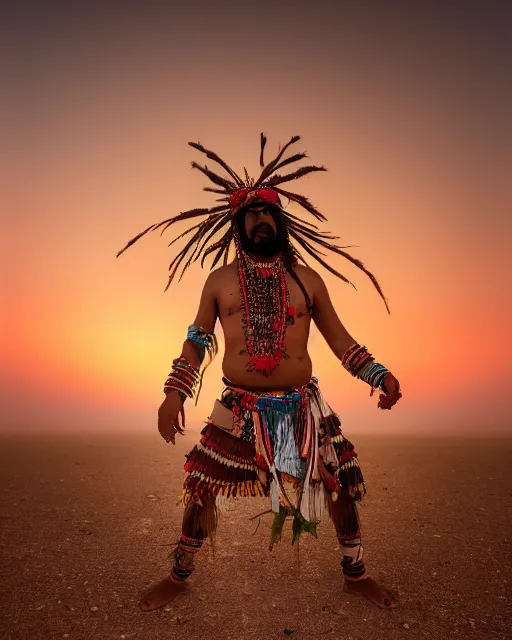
{"points": [[85, 521]]}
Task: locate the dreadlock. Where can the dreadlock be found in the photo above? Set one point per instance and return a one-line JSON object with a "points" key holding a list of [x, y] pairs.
{"points": [[233, 191]]}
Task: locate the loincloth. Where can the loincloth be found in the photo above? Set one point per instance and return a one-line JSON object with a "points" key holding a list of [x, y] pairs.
{"points": [[284, 444]]}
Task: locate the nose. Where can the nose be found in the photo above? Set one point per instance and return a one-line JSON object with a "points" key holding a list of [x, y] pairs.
{"points": [[264, 215]]}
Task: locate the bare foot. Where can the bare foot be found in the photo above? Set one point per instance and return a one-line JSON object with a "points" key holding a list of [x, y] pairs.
{"points": [[372, 590], [160, 594]]}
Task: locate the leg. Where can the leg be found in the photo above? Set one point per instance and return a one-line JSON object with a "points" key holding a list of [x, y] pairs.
{"points": [[348, 531], [198, 522]]}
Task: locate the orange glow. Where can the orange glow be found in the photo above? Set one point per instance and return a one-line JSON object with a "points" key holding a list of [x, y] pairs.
{"points": [[107, 156]]}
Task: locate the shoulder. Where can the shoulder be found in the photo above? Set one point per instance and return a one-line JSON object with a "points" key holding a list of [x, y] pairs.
{"points": [[309, 275], [218, 277]]}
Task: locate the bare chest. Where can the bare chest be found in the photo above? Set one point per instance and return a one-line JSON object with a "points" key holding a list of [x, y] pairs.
{"points": [[231, 304]]}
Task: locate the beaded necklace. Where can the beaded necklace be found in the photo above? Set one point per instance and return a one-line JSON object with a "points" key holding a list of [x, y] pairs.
{"points": [[266, 311]]}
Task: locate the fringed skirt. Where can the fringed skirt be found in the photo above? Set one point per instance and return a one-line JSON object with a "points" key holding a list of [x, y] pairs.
{"points": [[286, 445]]}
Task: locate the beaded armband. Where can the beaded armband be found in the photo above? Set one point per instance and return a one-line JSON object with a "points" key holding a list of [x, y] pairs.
{"points": [[361, 364], [207, 349], [207, 343]]}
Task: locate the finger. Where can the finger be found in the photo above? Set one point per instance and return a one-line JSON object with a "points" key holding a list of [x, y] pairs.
{"points": [[169, 437], [178, 428]]}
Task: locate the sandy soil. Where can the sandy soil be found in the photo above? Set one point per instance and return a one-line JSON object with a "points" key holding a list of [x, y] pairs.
{"points": [[85, 521]]}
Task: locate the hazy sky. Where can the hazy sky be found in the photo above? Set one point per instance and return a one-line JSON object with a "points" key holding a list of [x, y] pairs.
{"points": [[407, 105]]}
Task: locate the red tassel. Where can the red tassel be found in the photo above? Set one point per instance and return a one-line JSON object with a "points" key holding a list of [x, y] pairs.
{"points": [[264, 364]]}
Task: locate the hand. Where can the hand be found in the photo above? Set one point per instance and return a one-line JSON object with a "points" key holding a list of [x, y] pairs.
{"points": [[168, 417], [392, 392]]}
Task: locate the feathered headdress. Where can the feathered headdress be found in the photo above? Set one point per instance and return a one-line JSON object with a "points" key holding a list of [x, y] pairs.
{"points": [[238, 193]]}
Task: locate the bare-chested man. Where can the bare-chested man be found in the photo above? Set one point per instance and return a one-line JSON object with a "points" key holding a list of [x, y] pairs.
{"points": [[271, 433]]}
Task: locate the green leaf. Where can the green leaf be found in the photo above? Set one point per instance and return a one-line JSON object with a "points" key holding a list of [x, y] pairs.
{"points": [[301, 525], [277, 526]]}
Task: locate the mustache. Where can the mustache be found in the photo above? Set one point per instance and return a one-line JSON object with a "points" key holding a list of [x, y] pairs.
{"points": [[263, 226]]}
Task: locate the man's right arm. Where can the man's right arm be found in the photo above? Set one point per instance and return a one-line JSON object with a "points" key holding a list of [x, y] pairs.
{"points": [[206, 317]]}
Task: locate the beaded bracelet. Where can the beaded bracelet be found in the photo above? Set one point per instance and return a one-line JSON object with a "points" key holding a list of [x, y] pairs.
{"points": [[361, 364], [183, 378]]}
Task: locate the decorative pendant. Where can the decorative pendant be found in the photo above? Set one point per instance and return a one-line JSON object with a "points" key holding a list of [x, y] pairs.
{"points": [[266, 311]]}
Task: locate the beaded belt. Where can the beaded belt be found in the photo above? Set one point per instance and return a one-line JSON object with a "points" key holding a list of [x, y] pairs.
{"points": [[261, 394]]}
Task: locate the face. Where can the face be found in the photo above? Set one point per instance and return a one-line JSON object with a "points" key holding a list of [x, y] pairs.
{"points": [[261, 230], [259, 222]]}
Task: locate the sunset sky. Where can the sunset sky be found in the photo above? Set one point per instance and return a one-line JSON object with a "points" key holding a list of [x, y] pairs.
{"points": [[406, 104]]}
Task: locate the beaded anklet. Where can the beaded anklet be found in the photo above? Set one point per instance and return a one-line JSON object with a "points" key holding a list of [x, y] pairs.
{"points": [[186, 547]]}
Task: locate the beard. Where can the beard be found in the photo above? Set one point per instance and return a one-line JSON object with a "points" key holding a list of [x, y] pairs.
{"points": [[264, 246]]}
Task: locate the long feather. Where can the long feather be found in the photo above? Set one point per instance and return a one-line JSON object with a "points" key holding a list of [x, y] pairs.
{"points": [[173, 267], [216, 245], [300, 256], [318, 236], [215, 230], [303, 201], [215, 216], [248, 179], [185, 215], [185, 233], [287, 214], [270, 166], [338, 249], [224, 248], [355, 261], [313, 253], [222, 182], [277, 179], [133, 240], [193, 213], [263, 142], [290, 160], [223, 191], [200, 234], [314, 231], [226, 254], [213, 156], [361, 266]]}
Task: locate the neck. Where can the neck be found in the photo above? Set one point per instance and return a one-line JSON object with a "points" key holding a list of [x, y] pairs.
{"points": [[262, 259]]}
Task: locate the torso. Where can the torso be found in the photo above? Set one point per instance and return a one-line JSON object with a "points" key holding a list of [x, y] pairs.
{"points": [[293, 371]]}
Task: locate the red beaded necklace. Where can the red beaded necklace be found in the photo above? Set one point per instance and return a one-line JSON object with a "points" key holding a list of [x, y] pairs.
{"points": [[266, 311]]}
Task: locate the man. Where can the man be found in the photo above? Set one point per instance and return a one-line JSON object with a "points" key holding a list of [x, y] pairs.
{"points": [[271, 433]]}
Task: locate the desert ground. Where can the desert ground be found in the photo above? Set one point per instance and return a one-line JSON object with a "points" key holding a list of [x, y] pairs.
{"points": [[87, 522]]}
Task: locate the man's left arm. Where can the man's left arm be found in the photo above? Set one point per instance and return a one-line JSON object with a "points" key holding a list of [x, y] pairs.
{"points": [[354, 357]]}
